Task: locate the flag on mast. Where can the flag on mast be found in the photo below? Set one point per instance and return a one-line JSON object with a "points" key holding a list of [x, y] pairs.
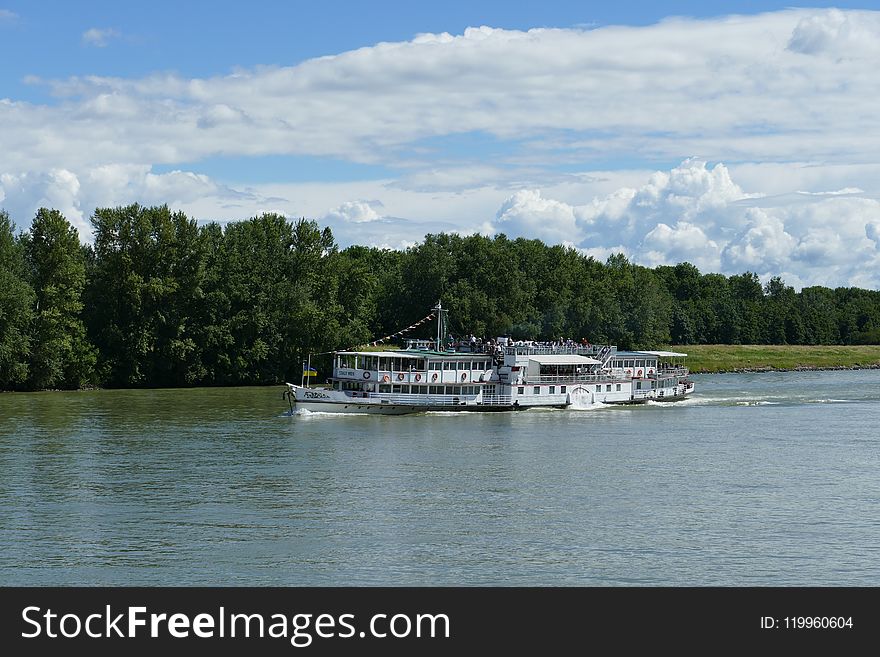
{"points": [[310, 371]]}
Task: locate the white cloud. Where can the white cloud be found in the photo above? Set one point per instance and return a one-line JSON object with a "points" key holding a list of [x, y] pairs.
{"points": [[77, 195], [7, 16], [762, 247], [698, 214], [692, 212], [355, 212], [528, 213], [100, 37], [685, 196], [735, 93], [57, 188], [837, 33], [684, 242], [837, 192]]}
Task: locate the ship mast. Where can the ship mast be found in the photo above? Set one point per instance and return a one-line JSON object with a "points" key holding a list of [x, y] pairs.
{"points": [[441, 325]]}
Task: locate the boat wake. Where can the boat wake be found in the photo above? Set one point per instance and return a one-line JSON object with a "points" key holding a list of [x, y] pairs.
{"points": [[597, 406], [452, 413], [305, 413], [687, 401]]}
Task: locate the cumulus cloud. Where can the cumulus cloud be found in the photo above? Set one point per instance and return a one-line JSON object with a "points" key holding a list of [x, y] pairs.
{"points": [[528, 213], [698, 214], [764, 246], [100, 37], [355, 212], [56, 188], [683, 242], [76, 195], [664, 213]]}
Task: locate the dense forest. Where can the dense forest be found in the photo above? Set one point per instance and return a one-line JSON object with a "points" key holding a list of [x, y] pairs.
{"points": [[158, 300]]}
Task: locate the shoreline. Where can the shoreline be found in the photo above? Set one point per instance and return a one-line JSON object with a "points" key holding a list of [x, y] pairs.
{"points": [[762, 369], [747, 359]]}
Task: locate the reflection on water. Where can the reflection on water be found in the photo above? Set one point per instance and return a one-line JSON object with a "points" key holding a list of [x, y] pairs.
{"points": [[762, 479]]}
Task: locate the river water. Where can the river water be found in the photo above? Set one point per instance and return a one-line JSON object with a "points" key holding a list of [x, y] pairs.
{"points": [[759, 479]]}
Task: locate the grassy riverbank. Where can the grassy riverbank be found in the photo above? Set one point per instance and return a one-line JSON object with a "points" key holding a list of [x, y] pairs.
{"points": [[727, 358]]}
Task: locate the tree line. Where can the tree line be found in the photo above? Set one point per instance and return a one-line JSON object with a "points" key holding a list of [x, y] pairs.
{"points": [[158, 300]]}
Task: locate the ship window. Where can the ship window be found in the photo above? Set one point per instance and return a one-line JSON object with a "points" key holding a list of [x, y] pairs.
{"points": [[598, 388], [446, 366], [618, 387], [562, 389], [384, 388], [537, 390], [521, 390], [638, 385], [456, 390], [395, 389], [433, 365], [608, 388], [552, 390]]}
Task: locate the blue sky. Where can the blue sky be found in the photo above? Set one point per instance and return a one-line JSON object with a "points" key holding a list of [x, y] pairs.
{"points": [[733, 135]]}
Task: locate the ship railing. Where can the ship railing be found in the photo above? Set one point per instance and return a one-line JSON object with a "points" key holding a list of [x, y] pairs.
{"points": [[673, 371], [547, 349], [606, 354], [643, 394], [574, 378]]}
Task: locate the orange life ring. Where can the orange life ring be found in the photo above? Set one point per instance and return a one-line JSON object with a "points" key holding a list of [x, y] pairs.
{"points": [[464, 376], [651, 371], [400, 377], [433, 377], [629, 372], [418, 377], [386, 378], [640, 374]]}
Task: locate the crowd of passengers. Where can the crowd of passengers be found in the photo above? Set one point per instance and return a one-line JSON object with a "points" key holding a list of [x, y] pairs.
{"points": [[474, 344]]}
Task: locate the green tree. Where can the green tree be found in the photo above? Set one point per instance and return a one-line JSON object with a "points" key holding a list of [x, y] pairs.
{"points": [[16, 309], [61, 354], [145, 287]]}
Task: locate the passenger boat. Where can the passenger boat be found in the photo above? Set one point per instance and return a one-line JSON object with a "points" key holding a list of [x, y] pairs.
{"points": [[496, 375]]}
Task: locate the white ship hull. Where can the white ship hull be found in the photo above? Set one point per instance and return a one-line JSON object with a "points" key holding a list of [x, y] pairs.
{"points": [[318, 400]]}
